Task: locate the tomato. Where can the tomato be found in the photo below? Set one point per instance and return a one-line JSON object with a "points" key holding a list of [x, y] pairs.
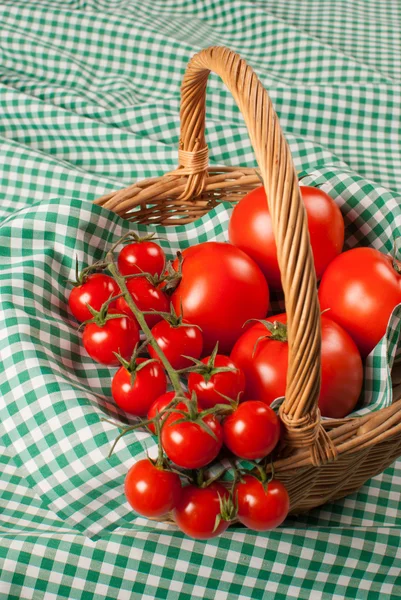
{"points": [[177, 342], [96, 289], [158, 405], [151, 491], [187, 444], [211, 383], [119, 335], [197, 510], [221, 288], [266, 368], [149, 383], [147, 297], [252, 430], [361, 287], [261, 508], [250, 229], [141, 257]]}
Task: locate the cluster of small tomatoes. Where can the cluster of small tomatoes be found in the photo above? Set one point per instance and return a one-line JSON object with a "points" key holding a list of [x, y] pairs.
{"points": [[205, 331]]}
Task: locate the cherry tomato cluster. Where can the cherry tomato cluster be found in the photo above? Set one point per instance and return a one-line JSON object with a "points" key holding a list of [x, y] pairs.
{"points": [[200, 324]]}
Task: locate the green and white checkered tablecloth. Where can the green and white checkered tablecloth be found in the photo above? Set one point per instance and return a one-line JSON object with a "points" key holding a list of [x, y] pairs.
{"points": [[89, 102]]}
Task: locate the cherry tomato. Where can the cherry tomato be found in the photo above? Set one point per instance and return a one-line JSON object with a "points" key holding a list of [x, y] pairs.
{"points": [[266, 368], [152, 492], [361, 288], [261, 508], [177, 342], [197, 510], [119, 335], [141, 257], [208, 387], [220, 289], [252, 430], [187, 444], [159, 405], [147, 297], [250, 229], [149, 383], [96, 289]]}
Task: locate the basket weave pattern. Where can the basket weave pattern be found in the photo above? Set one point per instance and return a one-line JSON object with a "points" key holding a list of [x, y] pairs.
{"points": [[319, 460]]}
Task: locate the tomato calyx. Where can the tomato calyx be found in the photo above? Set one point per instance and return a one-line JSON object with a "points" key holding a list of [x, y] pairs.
{"points": [[132, 366], [278, 332], [173, 319], [207, 370], [260, 472], [82, 275], [194, 416], [228, 510], [171, 278], [100, 317]]}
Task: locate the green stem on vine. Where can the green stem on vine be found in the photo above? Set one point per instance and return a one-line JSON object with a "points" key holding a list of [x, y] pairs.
{"points": [[173, 375]]}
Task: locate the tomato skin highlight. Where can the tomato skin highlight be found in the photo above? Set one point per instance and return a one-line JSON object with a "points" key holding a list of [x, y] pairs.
{"points": [[252, 431], [150, 383], [151, 492], [141, 257], [260, 509], [228, 384], [197, 509], [250, 229], [147, 297], [119, 335], [187, 444], [95, 291], [266, 369], [361, 288], [221, 288], [177, 342]]}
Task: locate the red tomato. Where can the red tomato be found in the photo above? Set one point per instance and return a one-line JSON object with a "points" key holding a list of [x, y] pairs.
{"points": [[152, 492], [266, 369], [149, 383], [159, 405], [361, 288], [96, 289], [141, 257], [116, 335], [210, 385], [261, 508], [250, 229], [252, 430], [147, 297], [220, 289], [187, 444], [197, 510], [177, 342]]}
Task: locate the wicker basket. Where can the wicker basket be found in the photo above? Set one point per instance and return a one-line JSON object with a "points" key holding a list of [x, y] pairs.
{"points": [[319, 460]]}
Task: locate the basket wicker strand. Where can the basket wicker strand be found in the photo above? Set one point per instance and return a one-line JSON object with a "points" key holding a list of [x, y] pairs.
{"points": [[319, 460]]}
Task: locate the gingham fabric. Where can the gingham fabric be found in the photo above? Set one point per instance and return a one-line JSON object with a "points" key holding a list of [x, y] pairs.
{"points": [[90, 102]]}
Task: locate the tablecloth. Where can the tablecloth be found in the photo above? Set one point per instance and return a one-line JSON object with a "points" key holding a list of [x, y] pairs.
{"points": [[90, 102]]}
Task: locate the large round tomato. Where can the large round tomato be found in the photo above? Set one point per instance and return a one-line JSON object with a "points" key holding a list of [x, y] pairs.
{"points": [[197, 510], [147, 297], [137, 396], [252, 430], [152, 492], [265, 367], [250, 229], [361, 288], [119, 335], [96, 289], [220, 289], [261, 507], [187, 443]]}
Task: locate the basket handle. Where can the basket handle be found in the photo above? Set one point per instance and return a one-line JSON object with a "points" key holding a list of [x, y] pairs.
{"points": [[299, 412]]}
